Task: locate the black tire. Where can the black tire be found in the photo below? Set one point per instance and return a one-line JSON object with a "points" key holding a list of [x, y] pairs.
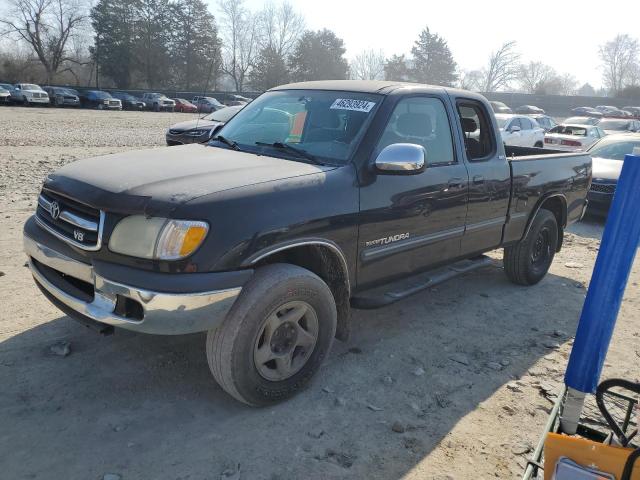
{"points": [[539, 145], [528, 261], [233, 346], [156, 107], [25, 102]]}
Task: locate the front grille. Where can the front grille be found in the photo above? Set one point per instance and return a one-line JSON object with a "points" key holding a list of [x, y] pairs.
{"points": [[69, 220], [603, 188], [167, 102], [114, 103], [39, 95]]}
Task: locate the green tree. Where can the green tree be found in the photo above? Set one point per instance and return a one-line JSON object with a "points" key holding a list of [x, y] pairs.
{"points": [[397, 69], [319, 56], [152, 41], [194, 46], [269, 70], [113, 22], [432, 60]]}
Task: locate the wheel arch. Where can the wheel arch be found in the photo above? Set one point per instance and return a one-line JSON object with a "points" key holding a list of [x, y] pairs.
{"points": [[556, 203], [322, 257]]}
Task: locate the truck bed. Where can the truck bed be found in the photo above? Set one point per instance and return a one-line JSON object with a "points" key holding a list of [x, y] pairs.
{"points": [[541, 173]]}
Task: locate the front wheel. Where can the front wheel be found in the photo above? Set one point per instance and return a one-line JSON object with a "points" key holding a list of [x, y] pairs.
{"points": [[539, 145], [275, 337], [528, 261]]}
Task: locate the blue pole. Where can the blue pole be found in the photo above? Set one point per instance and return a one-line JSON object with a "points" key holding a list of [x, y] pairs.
{"points": [[617, 251]]}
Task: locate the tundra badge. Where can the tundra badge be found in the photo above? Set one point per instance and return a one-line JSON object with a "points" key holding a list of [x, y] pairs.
{"points": [[387, 240]]}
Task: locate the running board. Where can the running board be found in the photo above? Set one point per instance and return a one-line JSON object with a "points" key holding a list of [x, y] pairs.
{"points": [[400, 289]]}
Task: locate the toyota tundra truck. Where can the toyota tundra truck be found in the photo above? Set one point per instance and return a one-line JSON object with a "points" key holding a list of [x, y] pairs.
{"points": [[316, 198]]}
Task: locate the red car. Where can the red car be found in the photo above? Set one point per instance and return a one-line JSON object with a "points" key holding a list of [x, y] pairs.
{"points": [[185, 106]]}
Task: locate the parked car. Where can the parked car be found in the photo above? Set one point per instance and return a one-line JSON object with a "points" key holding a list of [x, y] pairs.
{"points": [[207, 104], [100, 100], [499, 107], [618, 125], [266, 236], [529, 109], [582, 120], [183, 105], [5, 95], [62, 97], [635, 111], [608, 156], [29, 94], [571, 137], [200, 130], [610, 111], [158, 102], [520, 130], [129, 102], [240, 98], [545, 121], [587, 112]]}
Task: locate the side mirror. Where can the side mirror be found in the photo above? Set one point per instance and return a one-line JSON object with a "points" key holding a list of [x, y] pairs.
{"points": [[401, 158], [515, 129]]}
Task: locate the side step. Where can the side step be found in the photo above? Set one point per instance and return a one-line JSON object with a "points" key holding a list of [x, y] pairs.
{"points": [[391, 293]]}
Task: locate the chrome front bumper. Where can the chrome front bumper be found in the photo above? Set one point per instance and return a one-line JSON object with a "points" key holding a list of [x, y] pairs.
{"points": [[162, 313]]}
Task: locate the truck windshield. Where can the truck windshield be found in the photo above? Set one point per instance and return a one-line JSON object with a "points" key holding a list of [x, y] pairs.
{"points": [[326, 125]]}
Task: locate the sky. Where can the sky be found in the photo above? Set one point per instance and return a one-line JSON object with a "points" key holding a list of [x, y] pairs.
{"points": [[565, 35]]}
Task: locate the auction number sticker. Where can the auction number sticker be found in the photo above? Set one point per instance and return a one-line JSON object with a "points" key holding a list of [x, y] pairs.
{"points": [[350, 104]]}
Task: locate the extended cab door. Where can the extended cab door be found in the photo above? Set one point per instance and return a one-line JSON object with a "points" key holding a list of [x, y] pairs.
{"points": [[412, 221], [489, 178]]}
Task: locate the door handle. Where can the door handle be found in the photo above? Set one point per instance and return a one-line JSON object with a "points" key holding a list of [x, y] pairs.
{"points": [[455, 182], [478, 179]]}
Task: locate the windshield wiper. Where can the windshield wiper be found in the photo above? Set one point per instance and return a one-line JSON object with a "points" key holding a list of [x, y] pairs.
{"points": [[297, 151], [228, 142]]}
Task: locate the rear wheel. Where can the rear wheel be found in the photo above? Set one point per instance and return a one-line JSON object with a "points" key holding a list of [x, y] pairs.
{"points": [[527, 262], [275, 337]]}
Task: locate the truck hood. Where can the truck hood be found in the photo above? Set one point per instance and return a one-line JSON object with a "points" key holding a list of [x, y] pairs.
{"points": [[156, 181], [606, 169]]}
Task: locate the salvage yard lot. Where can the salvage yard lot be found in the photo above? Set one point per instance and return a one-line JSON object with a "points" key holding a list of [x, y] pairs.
{"points": [[448, 382]]}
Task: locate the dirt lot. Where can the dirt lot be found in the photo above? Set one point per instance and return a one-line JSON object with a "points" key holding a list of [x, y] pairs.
{"points": [[447, 384]]}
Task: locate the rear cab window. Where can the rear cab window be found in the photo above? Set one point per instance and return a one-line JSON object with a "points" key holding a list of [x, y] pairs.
{"points": [[479, 138]]}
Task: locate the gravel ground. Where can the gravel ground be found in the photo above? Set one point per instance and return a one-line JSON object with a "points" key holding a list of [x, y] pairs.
{"points": [[446, 384]]}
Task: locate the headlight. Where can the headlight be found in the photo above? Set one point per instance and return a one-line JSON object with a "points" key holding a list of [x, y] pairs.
{"points": [[157, 238], [197, 132]]}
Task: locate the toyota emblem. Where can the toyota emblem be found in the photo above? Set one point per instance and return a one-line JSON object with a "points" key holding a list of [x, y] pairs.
{"points": [[54, 210]]}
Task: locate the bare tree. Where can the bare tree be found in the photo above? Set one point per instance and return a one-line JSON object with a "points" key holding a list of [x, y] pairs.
{"points": [[239, 30], [619, 60], [534, 76], [46, 26], [280, 28], [568, 84], [503, 67], [368, 65], [470, 79]]}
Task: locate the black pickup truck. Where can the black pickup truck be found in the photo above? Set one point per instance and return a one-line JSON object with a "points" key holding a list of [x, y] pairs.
{"points": [[315, 198]]}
